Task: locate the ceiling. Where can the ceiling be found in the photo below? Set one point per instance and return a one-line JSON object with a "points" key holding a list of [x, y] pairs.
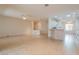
{"points": [[37, 11]]}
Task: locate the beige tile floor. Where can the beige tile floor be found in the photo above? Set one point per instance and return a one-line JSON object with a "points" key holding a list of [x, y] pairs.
{"points": [[28, 45]]}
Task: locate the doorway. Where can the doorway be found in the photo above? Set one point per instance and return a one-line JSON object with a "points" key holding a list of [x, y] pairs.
{"points": [[36, 26]]}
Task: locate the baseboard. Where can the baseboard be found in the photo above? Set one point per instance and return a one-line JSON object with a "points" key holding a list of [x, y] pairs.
{"points": [[11, 35]]}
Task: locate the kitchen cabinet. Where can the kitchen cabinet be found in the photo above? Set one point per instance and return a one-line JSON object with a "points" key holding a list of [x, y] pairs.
{"points": [[57, 34]]}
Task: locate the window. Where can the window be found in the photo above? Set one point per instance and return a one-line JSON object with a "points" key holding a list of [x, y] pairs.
{"points": [[68, 27]]}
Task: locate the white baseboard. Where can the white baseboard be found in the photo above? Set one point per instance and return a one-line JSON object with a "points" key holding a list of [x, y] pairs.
{"points": [[11, 35]]}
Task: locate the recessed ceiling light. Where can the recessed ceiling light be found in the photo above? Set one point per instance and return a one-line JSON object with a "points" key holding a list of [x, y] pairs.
{"points": [[68, 15], [56, 16], [24, 18]]}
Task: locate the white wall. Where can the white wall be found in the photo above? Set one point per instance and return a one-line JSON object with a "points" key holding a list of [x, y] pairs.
{"points": [[44, 26], [12, 26]]}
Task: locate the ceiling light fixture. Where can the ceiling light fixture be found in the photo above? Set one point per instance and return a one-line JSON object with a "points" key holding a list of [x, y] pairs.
{"points": [[23, 17], [68, 15], [46, 5]]}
